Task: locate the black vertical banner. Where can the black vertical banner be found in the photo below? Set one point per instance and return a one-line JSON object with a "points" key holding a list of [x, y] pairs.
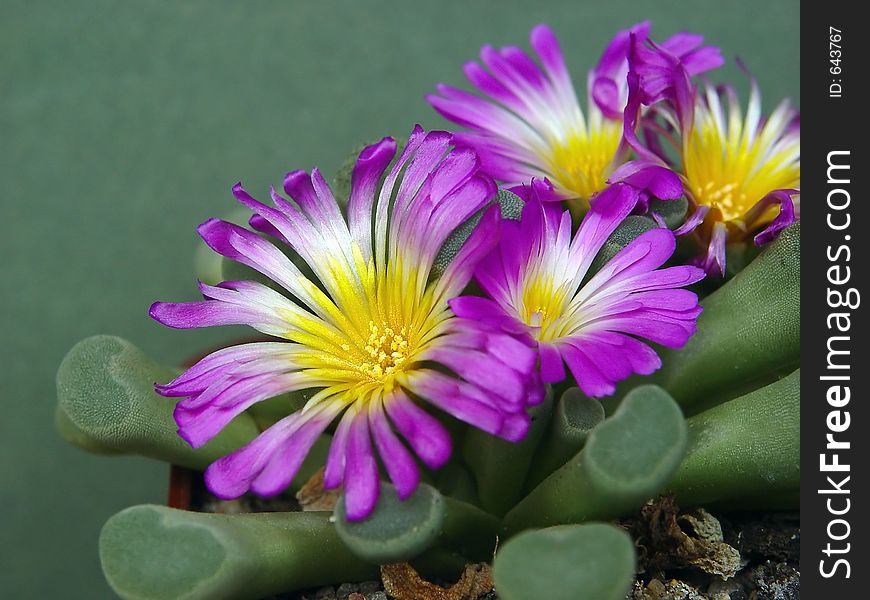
{"points": [[835, 419]]}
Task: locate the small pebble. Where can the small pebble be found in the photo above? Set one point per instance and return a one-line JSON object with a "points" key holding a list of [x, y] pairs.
{"points": [[369, 587], [379, 595], [345, 590], [326, 593]]}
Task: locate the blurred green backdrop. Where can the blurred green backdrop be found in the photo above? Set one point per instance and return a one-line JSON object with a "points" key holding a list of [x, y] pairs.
{"points": [[124, 124]]}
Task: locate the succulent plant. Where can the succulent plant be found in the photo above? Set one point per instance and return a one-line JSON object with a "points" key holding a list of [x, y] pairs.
{"points": [[474, 312], [543, 498]]}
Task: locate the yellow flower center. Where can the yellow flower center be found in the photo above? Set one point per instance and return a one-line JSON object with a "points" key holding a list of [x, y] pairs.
{"points": [[387, 319], [583, 162], [728, 198], [387, 350], [732, 168], [543, 305]]}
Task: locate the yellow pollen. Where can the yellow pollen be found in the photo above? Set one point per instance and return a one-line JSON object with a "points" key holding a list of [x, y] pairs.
{"points": [[730, 171], [728, 198], [583, 162], [388, 350]]}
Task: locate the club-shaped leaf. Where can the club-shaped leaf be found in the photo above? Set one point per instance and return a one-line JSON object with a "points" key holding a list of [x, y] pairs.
{"points": [[627, 459], [500, 466], [568, 562], [746, 452], [105, 389], [157, 553], [749, 331], [511, 207], [575, 415], [401, 530]]}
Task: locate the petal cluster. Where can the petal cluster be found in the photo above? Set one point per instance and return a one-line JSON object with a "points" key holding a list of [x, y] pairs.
{"points": [[527, 122], [541, 289], [741, 171], [370, 334]]}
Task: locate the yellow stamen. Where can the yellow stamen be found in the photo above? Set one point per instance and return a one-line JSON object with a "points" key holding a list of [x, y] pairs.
{"points": [[387, 350], [729, 165], [583, 162]]}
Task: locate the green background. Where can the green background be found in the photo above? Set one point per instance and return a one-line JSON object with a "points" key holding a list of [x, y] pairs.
{"points": [[124, 124]]}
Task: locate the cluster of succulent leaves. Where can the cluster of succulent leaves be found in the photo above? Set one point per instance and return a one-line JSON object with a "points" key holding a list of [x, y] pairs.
{"points": [[716, 426]]}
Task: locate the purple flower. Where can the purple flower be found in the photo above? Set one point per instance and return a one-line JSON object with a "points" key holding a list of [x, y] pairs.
{"points": [[735, 168], [609, 88], [529, 124], [364, 337], [540, 290]]}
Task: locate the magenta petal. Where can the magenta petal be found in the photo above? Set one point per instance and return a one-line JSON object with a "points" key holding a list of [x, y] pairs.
{"points": [[263, 226], [586, 373], [481, 241], [693, 221], [476, 308], [546, 46], [210, 368], [424, 433], [198, 425], [552, 367], [485, 370], [456, 398], [713, 262], [361, 480], [288, 458], [230, 477], [606, 94], [643, 254], [208, 313], [298, 185], [366, 176], [536, 391], [399, 463], [660, 181], [644, 359], [541, 188], [668, 332], [335, 459], [608, 210], [786, 215], [608, 77], [516, 426]]}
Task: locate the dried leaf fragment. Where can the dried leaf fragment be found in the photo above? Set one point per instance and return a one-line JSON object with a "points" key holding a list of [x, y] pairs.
{"points": [[404, 583], [313, 496]]}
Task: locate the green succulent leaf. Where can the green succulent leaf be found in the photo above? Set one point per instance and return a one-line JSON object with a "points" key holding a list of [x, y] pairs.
{"points": [[153, 552], [672, 212], [627, 459], [401, 530], [105, 391], [749, 331], [71, 434], [746, 452], [208, 263], [629, 229], [575, 415], [500, 466], [595, 561], [511, 208], [397, 530]]}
